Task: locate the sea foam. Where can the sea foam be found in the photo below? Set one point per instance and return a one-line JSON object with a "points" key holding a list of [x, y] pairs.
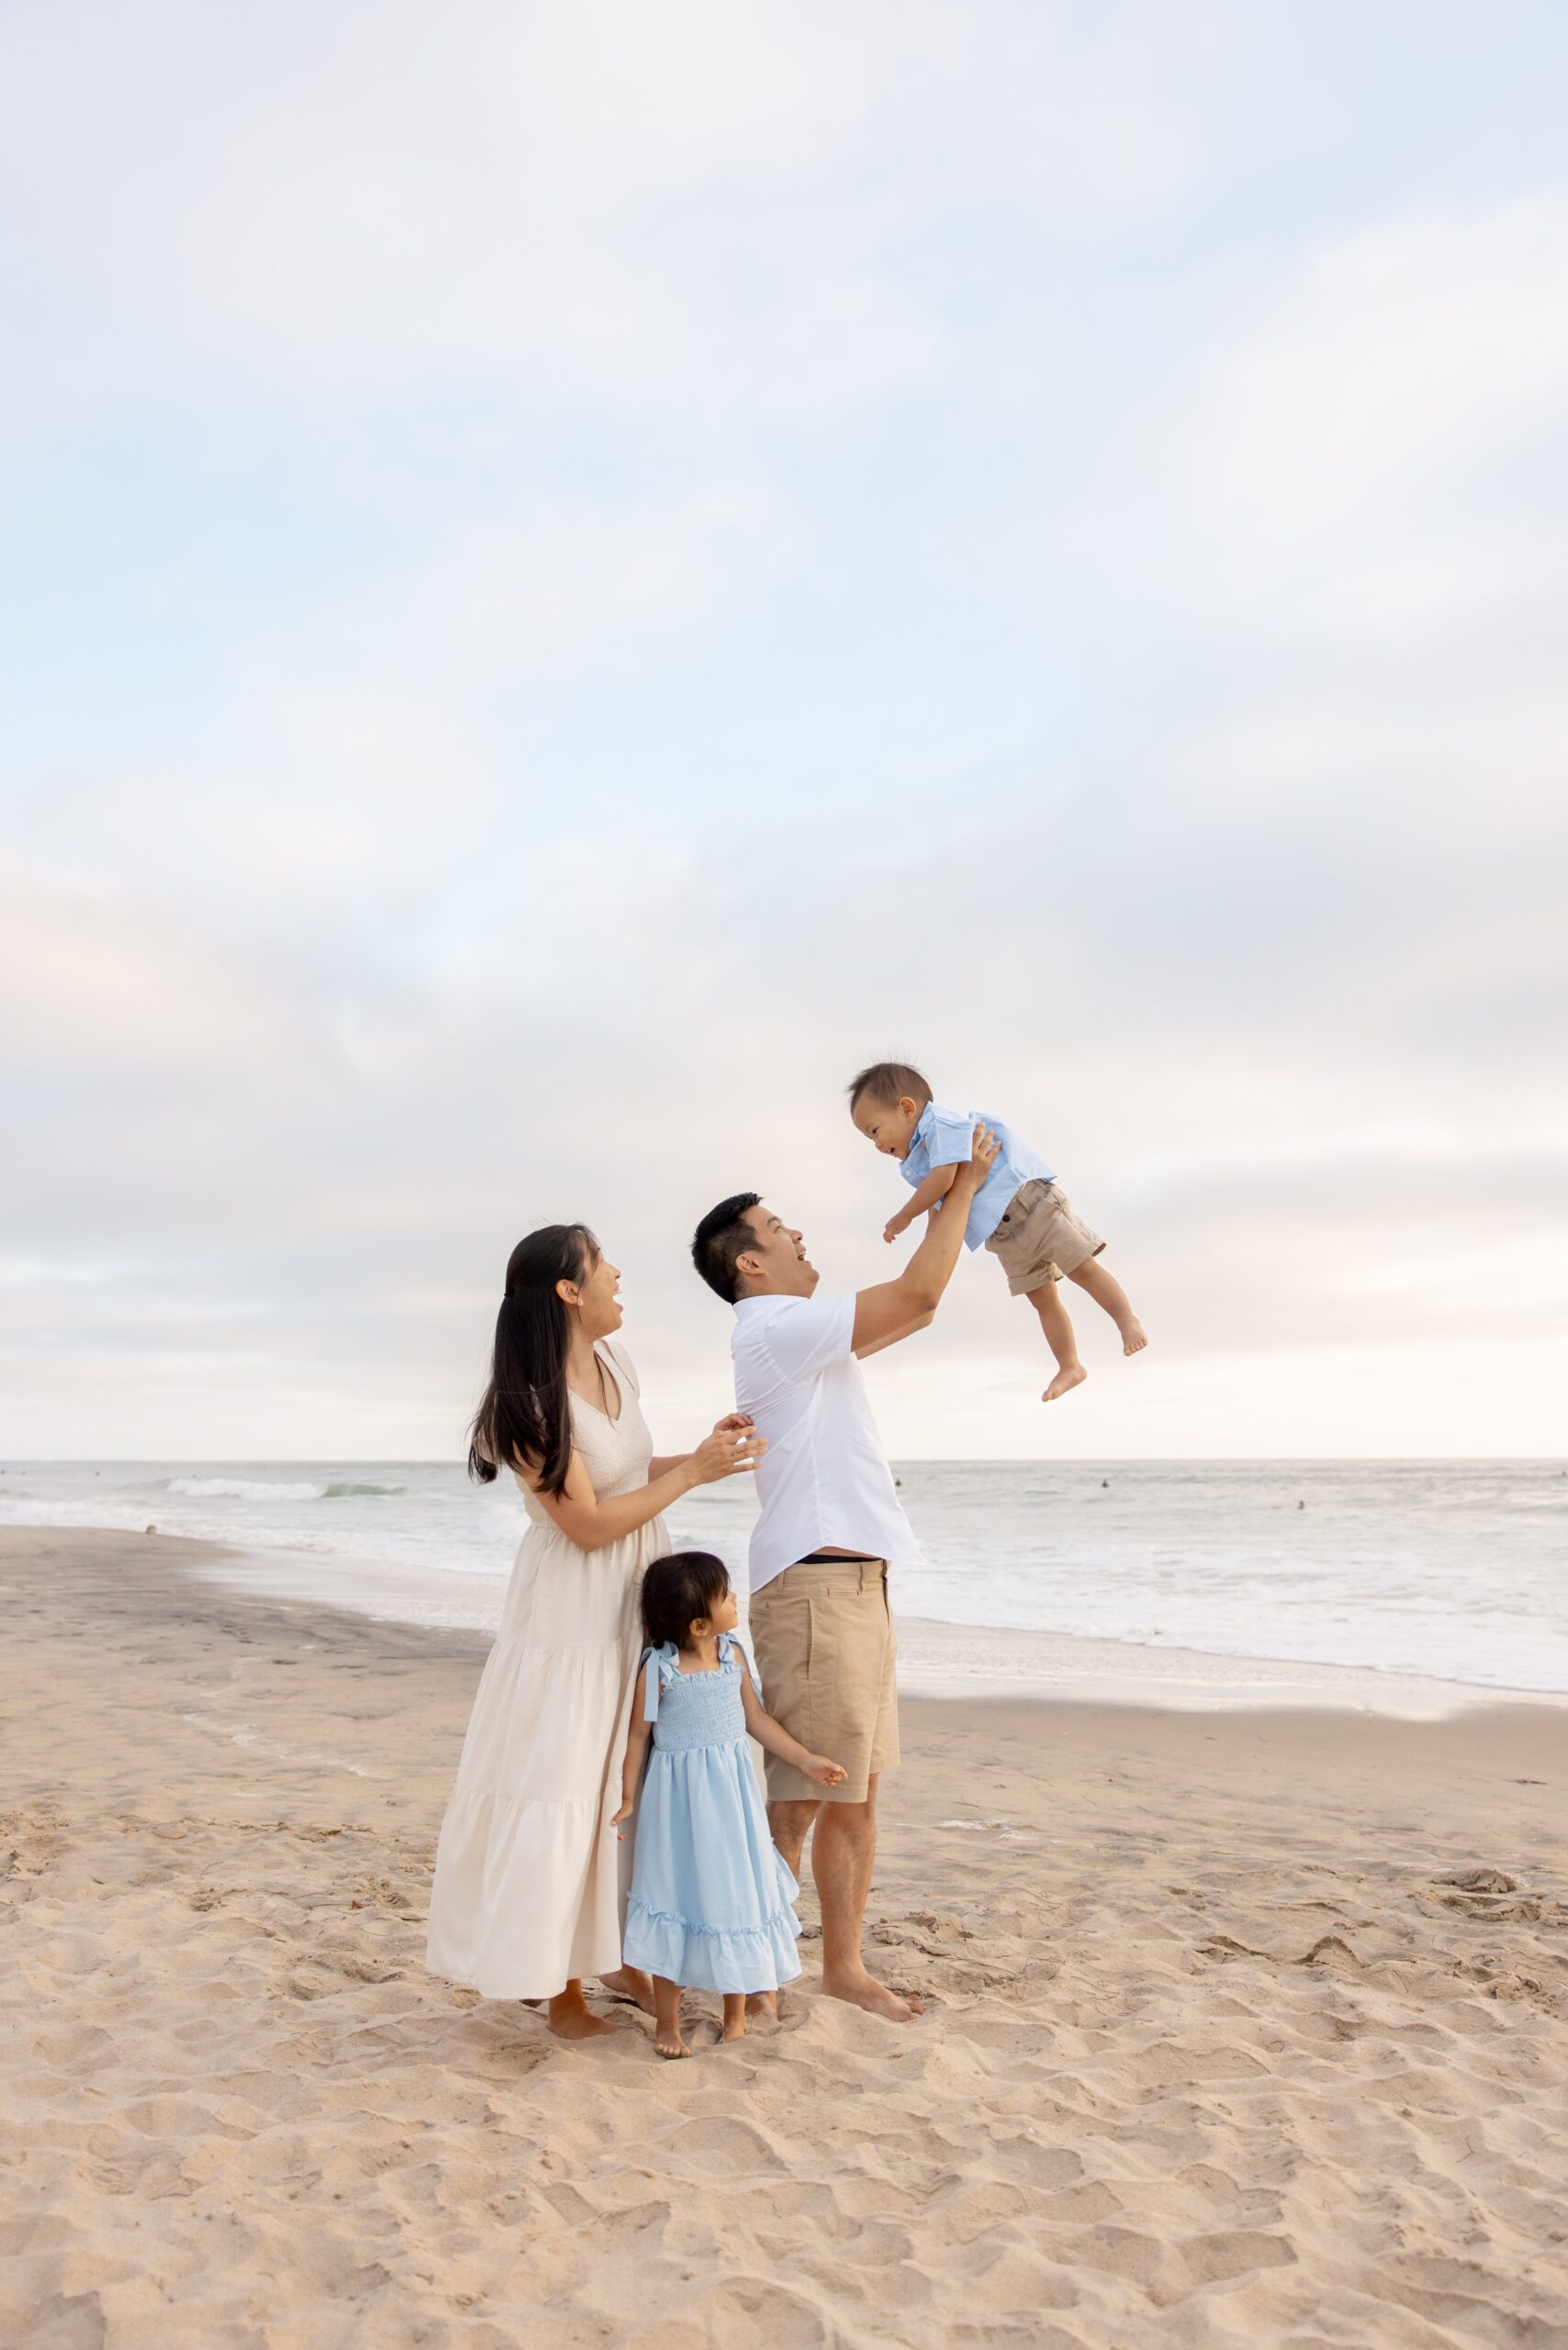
{"points": [[243, 1489]]}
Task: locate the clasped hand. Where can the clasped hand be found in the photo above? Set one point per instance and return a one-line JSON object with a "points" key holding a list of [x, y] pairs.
{"points": [[733, 1448]]}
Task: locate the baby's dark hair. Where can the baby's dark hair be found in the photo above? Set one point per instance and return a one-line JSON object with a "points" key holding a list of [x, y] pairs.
{"points": [[678, 1589], [889, 1081]]}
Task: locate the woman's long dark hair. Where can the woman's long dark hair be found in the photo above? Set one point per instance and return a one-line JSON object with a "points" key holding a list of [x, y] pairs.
{"points": [[525, 1412]]}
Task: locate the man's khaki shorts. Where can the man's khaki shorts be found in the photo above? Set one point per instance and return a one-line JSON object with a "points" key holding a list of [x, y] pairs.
{"points": [[827, 1658], [1040, 1239]]}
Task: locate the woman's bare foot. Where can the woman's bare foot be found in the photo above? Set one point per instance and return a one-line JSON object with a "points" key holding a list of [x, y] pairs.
{"points": [[735, 2017], [630, 1983], [570, 2018], [1071, 1374], [863, 1990], [1133, 1339]]}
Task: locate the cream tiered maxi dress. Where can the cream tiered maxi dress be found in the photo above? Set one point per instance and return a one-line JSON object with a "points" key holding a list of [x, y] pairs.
{"points": [[530, 1878]]}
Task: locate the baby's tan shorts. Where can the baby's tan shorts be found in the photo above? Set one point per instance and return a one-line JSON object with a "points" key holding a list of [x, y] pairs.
{"points": [[1040, 1239]]}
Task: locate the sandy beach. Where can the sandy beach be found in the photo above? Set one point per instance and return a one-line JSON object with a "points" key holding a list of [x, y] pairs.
{"points": [[1242, 2029]]}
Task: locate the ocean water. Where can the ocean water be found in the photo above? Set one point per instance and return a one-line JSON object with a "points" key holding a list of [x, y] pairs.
{"points": [[1456, 1570]]}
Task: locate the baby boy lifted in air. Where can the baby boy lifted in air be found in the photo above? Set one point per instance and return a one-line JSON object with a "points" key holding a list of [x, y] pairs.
{"points": [[1020, 1211]]}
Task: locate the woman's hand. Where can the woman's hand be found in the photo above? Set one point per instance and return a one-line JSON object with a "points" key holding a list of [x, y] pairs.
{"points": [[728, 1452], [735, 1422], [825, 1774]]}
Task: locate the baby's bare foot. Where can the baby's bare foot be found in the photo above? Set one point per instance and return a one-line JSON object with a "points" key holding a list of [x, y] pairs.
{"points": [[1071, 1374], [1133, 1339]]}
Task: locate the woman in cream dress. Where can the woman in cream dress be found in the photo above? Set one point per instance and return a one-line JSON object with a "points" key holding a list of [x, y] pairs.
{"points": [[529, 1896]]}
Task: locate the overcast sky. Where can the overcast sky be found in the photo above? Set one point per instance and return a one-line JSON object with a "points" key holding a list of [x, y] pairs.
{"points": [[573, 572]]}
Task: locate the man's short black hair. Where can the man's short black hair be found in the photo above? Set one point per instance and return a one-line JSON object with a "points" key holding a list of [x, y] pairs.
{"points": [[720, 1238], [887, 1081]]}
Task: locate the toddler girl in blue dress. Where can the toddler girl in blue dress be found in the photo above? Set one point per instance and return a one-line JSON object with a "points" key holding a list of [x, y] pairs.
{"points": [[710, 1905]]}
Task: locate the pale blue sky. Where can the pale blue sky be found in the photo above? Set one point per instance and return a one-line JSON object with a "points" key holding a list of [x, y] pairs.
{"points": [[570, 574]]}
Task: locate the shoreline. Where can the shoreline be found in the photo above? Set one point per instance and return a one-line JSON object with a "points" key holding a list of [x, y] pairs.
{"points": [[1408, 1594], [1239, 2027], [937, 1659]]}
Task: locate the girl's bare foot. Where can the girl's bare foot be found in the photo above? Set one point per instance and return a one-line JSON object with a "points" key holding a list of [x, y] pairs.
{"points": [[666, 2019], [763, 2003], [570, 2018], [1071, 1374], [1133, 1339], [734, 2015], [630, 1983]]}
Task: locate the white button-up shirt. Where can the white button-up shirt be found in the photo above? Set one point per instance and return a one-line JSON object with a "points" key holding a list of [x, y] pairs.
{"points": [[823, 1482]]}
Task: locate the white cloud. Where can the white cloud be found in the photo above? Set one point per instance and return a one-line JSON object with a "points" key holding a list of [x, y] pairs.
{"points": [[573, 586], [1424, 354], [602, 402], [691, 204], [95, 985]]}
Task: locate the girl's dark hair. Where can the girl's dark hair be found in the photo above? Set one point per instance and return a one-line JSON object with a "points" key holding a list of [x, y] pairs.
{"points": [[525, 1411], [678, 1589]]}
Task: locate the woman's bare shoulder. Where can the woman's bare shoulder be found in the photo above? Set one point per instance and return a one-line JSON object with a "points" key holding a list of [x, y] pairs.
{"points": [[622, 1363]]}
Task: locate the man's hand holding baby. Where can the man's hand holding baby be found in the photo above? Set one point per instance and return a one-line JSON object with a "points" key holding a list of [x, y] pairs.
{"points": [[966, 1175]]}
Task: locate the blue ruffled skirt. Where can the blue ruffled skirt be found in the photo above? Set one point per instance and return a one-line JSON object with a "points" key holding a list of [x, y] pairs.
{"points": [[710, 1905]]}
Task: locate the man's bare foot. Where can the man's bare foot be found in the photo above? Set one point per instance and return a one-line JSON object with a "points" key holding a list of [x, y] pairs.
{"points": [[863, 1990], [735, 2017], [630, 1983], [667, 2042], [1071, 1374], [570, 2019], [1133, 1339], [762, 2003]]}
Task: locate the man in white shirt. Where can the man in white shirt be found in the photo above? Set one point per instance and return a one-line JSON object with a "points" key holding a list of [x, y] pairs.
{"points": [[830, 1527]]}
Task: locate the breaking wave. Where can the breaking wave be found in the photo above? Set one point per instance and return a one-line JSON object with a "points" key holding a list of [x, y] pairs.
{"points": [[260, 1489]]}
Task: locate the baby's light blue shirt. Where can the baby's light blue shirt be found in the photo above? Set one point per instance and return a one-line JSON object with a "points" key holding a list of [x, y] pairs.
{"points": [[945, 1137]]}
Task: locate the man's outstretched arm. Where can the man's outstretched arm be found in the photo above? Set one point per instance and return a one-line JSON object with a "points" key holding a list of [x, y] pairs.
{"points": [[893, 1309]]}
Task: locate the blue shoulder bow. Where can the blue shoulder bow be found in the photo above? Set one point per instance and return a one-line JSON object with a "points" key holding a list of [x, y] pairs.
{"points": [[732, 1652], [661, 1671]]}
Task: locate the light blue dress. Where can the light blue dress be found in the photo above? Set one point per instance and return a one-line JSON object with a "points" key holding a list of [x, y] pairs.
{"points": [[710, 1905]]}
